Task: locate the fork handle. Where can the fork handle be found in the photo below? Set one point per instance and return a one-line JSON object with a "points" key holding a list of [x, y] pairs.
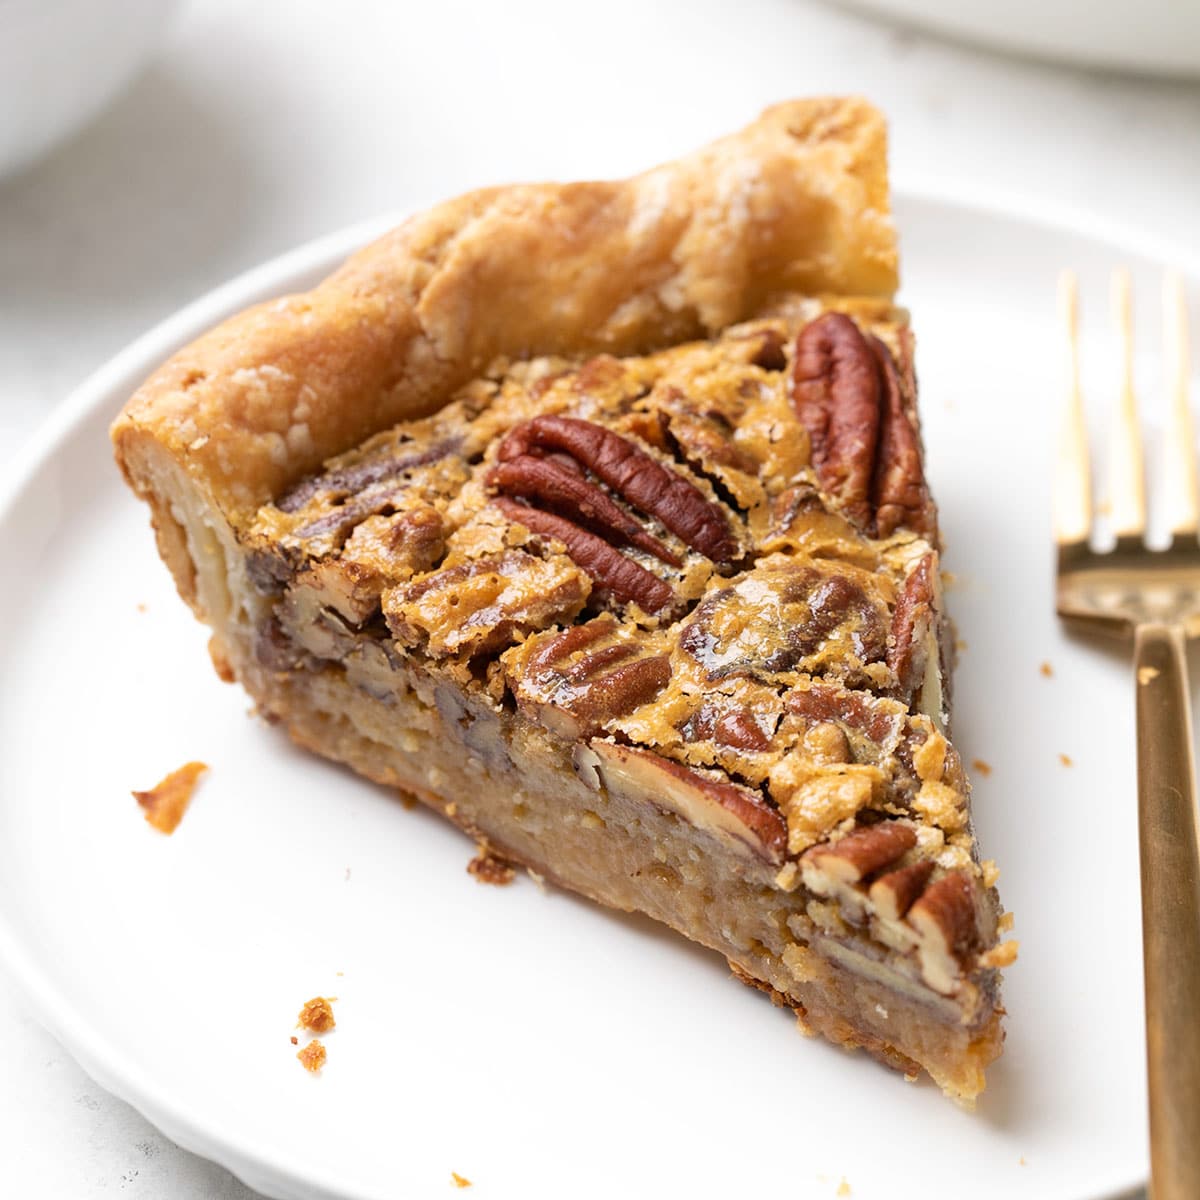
{"points": [[1170, 861]]}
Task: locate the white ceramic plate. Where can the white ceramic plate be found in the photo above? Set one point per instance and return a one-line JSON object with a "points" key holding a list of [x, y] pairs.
{"points": [[533, 1043]]}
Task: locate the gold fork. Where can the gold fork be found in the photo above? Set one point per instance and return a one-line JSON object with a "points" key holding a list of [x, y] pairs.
{"points": [[1153, 597]]}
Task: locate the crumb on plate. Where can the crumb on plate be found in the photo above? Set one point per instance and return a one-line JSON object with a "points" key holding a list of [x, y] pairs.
{"points": [[843, 1187], [1066, 760], [984, 768], [458, 1180], [295, 1040], [1047, 670], [312, 1056], [317, 1014], [487, 868], [164, 804]]}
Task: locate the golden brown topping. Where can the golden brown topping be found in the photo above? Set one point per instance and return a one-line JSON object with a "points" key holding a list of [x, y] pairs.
{"points": [[317, 1015], [634, 475], [478, 605], [569, 493], [312, 1055], [735, 814], [624, 579], [893, 894], [865, 850], [164, 804]]}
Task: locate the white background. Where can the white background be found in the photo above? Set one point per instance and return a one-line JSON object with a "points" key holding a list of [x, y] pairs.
{"points": [[263, 125]]}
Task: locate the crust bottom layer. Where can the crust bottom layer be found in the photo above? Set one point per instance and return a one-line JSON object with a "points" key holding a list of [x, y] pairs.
{"points": [[517, 793]]}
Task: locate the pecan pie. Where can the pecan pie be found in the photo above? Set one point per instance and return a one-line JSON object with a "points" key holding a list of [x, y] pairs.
{"points": [[594, 516]]}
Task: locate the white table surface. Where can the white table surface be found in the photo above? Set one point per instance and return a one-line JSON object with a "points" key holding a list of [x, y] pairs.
{"points": [[261, 126]]}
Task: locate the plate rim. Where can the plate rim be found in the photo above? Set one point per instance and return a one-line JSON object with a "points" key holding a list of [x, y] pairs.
{"points": [[38, 994]]}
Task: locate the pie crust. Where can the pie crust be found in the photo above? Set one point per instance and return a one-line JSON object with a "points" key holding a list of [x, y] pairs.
{"points": [[593, 515]]}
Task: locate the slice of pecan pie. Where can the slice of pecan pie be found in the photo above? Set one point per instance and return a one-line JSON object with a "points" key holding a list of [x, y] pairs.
{"points": [[594, 516]]}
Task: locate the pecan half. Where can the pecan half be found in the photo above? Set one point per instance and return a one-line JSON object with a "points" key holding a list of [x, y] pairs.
{"points": [[912, 621], [736, 815], [835, 391], [634, 475], [730, 724], [609, 568], [893, 894], [848, 394], [781, 618], [898, 490], [571, 494], [944, 917], [863, 851], [575, 686]]}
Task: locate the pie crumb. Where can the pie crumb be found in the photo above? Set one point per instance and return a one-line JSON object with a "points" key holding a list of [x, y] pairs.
{"points": [[1005, 923], [843, 1187], [141, 608], [1021, 1161], [984, 768], [458, 1180], [409, 801], [1066, 760], [1047, 670], [165, 803], [1145, 674], [991, 872], [488, 869], [1003, 955], [317, 1015], [295, 1040], [312, 1056]]}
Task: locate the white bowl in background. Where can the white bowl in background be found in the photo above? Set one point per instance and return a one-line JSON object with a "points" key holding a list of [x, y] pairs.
{"points": [[1156, 37], [62, 61]]}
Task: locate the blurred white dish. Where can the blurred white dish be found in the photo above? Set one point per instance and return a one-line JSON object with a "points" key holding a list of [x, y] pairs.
{"points": [[61, 61], [1158, 37]]}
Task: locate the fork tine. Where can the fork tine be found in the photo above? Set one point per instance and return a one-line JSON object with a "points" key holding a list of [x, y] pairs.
{"points": [[1073, 478], [1127, 479], [1180, 465]]}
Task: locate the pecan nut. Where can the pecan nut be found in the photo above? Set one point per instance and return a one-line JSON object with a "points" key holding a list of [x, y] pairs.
{"points": [[849, 395], [568, 492], [634, 475], [945, 918], [913, 622], [863, 851], [626, 580]]}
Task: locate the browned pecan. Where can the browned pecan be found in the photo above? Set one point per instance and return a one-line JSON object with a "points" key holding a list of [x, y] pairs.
{"points": [[609, 568], [911, 619], [835, 391], [779, 618], [634, 475], [893, 894], [945, 913], [898, 490], [729, 724], [865, 850], [569, 493], [820, 703], [849, 395]]}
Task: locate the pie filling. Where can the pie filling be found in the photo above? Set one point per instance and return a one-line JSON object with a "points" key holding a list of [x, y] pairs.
{"points": [[668, 629]]}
